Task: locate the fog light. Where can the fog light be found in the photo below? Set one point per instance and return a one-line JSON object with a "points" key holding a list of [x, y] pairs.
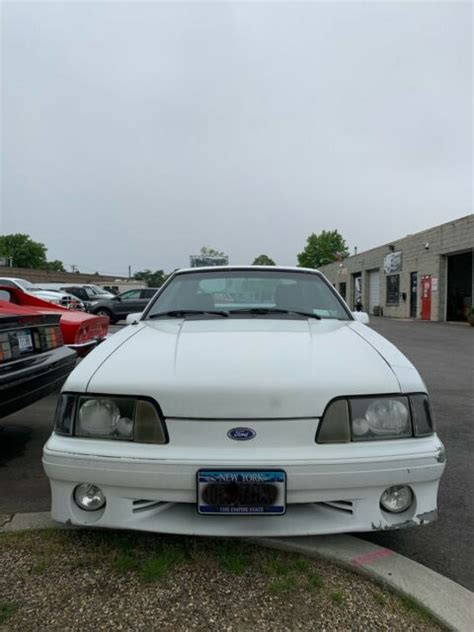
{"points": [[396, 499], [89, 497]]}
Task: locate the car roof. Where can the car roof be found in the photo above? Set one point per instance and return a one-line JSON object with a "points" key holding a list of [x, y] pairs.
{"points": [[15, 279], [248, 267]]}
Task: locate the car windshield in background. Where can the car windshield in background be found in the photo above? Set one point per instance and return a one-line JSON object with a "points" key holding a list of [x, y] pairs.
{"points": [[275, 293], [27, 286], [96, 290]]}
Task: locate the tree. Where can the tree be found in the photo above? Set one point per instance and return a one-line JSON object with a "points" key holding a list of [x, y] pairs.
{"points": [[55, 266], [24, 252], [263, 260], [152, 279], [210, 252], [321, 249]]}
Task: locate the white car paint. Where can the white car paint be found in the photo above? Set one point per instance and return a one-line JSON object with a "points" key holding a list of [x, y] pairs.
{"points": [[273, 375]]}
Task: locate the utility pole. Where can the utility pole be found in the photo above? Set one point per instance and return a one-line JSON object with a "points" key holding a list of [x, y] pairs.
{"points": [[73, 267], [129, 272]]}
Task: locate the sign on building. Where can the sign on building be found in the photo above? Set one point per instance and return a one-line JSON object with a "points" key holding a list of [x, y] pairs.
{"points": [[392, 262]]}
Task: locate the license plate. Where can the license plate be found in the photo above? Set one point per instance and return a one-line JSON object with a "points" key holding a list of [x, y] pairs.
{"points": [[25, 341], [241, 492]]}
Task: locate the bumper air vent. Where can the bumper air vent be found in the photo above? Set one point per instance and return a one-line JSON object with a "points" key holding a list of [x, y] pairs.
{"points": [[344, 506]]}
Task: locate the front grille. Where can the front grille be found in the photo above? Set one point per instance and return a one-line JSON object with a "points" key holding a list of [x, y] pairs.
{"points": [[139, 506], [344, 506]]}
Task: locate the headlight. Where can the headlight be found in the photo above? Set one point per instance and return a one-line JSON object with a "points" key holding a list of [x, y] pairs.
{"points": [[117, 417], [369, 419], [384, 418]]}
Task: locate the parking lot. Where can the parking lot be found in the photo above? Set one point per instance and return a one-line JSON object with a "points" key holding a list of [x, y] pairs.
{"points": [[443, 354]]}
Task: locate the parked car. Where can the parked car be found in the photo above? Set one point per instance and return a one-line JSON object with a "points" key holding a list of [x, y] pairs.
{"points": [[278, 414], [120, 306], [53, 295], [33, 359], [89, 295], [81, 332]]}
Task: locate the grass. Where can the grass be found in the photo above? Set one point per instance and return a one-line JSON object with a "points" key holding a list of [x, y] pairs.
{"points": [[232, 557], [315, 581], [150, 558], [124, 562], [416, 608], [292, 573], [7, 608], [380, 599], [38, 568], [286, 584], [161, 563], [285, 566], [337, 597]]}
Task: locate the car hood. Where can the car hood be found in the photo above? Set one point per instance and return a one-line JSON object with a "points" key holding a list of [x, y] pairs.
{"points": [[47, 294], [242, 369]]}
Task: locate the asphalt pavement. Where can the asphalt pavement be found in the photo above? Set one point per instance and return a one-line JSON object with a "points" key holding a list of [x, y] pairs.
{"points": [[442, 353]]}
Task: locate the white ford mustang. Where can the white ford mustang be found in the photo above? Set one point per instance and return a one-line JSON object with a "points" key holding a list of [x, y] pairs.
{"points": [[245, 401]]}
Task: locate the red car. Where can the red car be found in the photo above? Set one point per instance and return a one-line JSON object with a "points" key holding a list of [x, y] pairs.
{"points": [[80, 331]]}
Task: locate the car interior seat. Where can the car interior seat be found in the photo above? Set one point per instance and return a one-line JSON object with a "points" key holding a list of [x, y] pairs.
{"points": [[289, 297]]}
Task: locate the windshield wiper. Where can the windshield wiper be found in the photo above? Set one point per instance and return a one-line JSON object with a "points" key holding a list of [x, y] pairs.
{"points": [[273, 310], [182, 313]]}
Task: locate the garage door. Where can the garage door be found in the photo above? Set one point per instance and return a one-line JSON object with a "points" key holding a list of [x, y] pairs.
{"points": [[374, 290]]}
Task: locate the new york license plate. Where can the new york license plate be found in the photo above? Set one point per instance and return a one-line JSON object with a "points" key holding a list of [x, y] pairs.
{"points": [[25, 341], [241, 492]]}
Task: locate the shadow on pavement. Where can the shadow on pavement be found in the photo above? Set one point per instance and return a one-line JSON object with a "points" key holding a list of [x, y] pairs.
{"points": [[13, 440]]}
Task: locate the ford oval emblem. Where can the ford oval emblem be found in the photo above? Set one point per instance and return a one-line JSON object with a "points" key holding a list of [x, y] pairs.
{"points": [[241, 434]]}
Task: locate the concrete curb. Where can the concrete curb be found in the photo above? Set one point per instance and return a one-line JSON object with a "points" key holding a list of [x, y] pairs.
{"points": [[448, 602]]}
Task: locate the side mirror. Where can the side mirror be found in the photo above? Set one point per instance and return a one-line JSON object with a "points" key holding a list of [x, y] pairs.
{"points": [[132, 319], [361, 317]]}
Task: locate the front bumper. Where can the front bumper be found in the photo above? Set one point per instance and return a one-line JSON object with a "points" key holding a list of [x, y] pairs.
{"points": [[325, 494]]}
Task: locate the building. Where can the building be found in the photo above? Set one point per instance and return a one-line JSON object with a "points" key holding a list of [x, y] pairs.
{"points": [[34, 275], [428, 275]]}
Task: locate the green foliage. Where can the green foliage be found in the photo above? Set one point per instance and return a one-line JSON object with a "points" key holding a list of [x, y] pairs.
{"points": [[315, 581], [322, 249], [232, 557], [125, 562], [26, 253], [416, 608], [7, 608], [263, 260], [161, 563], [338, 598], [380, 599], [55, 266], [152, 279], [286, 584]]}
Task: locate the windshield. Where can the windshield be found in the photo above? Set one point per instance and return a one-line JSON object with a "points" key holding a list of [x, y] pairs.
{"points": [[97, 291], [256, 292], [27, 285]]}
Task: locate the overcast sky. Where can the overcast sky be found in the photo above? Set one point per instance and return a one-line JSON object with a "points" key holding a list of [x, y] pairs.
{"points": [[135, 133]]}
